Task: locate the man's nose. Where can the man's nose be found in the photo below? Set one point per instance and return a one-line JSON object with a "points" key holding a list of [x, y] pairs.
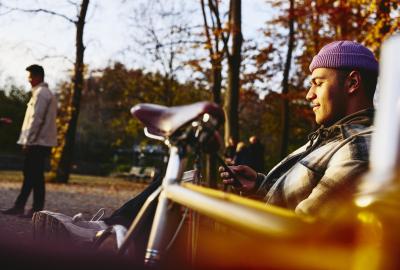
{"points": [[310, 94]]}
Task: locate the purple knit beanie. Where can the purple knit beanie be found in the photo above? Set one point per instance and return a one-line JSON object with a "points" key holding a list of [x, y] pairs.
{"points": [[344, 54]]}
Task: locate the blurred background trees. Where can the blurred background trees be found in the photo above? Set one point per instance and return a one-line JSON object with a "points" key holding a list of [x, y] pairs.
{"points": [[13, 100], [186, 48]]}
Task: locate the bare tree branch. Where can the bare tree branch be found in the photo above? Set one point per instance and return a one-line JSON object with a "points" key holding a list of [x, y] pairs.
{"points": [[39, 10], [56, 56], [206, 29], [76, 5], [225, 39]]}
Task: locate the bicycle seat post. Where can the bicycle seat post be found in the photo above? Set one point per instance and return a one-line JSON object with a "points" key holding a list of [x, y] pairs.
{"points": [[158, 236]]}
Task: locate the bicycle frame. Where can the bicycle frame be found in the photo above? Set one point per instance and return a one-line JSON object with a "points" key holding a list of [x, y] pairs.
{"points": [[195, 131]]}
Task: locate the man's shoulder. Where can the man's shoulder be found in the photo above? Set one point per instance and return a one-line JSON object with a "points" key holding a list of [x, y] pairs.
{"points": [[43, 87], [357, 130], [357, 139], [355, 147], [44, 91], [342, 149]]}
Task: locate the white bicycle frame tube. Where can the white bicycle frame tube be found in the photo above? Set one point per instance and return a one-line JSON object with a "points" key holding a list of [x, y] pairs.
{"points": [[157, 239]]}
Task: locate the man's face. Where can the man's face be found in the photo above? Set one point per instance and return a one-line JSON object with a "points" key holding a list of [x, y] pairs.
{"points": [[327, 96], [34, 79]]}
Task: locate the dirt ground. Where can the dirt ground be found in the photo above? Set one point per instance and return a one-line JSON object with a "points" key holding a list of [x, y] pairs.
{"points": [[70, 199]]}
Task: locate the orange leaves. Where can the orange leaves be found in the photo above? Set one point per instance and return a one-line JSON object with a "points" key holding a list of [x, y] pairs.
{"points": [[387, 21], [264, 54], [207, 45], [195, 64]]}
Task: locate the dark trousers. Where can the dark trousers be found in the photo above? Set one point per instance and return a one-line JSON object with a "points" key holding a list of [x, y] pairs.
{"points": [[127, 213], [34, 166]]}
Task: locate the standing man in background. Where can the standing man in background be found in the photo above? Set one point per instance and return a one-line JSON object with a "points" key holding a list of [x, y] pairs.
{"points": [[38, 135]]}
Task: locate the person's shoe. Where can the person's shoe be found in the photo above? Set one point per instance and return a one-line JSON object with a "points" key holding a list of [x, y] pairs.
{"points": [[13, 211], [49, 225]]}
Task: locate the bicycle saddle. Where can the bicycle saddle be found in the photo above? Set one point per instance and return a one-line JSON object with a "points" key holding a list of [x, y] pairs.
{"points": [[164, 121]]}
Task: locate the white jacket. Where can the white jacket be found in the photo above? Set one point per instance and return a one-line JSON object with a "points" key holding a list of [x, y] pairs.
{"points": [[39, 127]]}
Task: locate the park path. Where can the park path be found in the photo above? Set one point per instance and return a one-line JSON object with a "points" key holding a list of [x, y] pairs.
{"points": [[67, 199]]}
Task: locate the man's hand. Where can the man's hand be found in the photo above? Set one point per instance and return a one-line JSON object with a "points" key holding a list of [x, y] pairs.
{"points": [[246, 175], [25, 149]]}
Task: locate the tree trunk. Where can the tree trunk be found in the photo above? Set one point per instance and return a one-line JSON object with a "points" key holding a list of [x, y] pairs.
{"points": [[214, 51], [211, 162], [341, 27], [285, 86], [234, 59], [211, 173], [216, 82], [64, 167], [316, 26]]}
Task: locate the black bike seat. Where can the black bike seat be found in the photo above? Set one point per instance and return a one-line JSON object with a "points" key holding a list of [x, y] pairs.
{"points": [[164, 121]]}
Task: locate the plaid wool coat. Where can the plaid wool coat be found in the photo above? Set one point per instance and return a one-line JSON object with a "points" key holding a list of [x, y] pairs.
{"points": [[330, 162]]}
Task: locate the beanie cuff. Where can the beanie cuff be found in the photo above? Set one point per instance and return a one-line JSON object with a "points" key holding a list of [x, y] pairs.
{"points": [[344, 54], [361, 61]]}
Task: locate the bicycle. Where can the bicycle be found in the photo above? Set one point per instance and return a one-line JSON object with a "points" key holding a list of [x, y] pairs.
{"points": [[190, 127]]}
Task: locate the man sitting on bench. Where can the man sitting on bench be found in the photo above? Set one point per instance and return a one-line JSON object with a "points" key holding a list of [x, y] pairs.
{"points": [[343, 82]]}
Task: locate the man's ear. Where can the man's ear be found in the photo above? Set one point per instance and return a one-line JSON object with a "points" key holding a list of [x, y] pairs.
{"points": [[353, 82]]}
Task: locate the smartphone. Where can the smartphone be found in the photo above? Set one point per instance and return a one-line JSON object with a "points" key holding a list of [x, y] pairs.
{"points": [[236, 183]]}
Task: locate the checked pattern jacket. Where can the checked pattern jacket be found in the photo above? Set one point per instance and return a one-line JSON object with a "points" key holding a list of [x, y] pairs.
{"points": [[329, 164]]}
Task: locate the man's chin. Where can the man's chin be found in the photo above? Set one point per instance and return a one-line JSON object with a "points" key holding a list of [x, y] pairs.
{"points": [[319, 121]]}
